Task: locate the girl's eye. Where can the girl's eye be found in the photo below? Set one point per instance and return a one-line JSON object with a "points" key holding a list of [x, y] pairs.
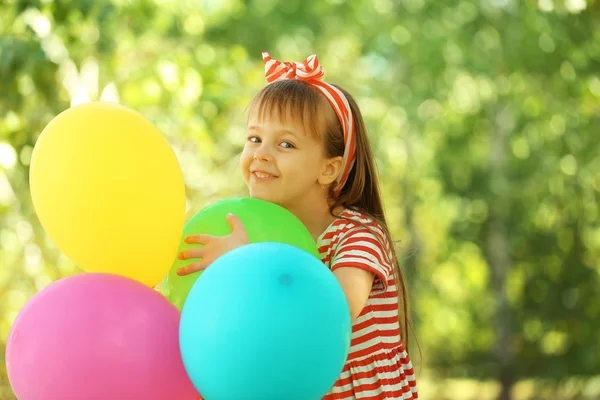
{"points": [[254, 139], [287, 145]]}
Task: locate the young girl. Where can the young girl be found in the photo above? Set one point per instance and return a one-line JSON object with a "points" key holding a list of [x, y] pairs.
{"points": [[307, 150]]}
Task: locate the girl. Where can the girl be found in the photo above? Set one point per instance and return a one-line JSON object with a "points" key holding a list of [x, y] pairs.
{"points": [[307, 150]]}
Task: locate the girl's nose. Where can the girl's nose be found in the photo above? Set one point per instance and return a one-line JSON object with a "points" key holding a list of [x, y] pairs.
{"points": [[263, 153]]}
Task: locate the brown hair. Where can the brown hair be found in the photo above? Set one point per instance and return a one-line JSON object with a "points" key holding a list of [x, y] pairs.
{"points": [[292, 98]]}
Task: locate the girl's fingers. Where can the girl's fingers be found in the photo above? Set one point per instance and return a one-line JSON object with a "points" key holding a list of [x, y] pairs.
{"points": [[198, 239], [197, 252], [190, 269]]}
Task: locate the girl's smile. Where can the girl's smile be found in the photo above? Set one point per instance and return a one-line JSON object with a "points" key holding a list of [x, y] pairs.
{"points": [[261, 176]]}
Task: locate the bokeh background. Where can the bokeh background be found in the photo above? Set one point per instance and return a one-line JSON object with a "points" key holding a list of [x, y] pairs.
{"points": [[485, 120]]}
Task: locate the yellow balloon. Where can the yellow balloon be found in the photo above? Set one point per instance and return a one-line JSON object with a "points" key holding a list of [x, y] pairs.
{"points": [[109, 191]]}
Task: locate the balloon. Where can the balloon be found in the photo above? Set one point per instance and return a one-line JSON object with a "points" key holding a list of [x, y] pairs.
{"points": [[100, 336], [265, 321], [264, 222], [108, 190]]}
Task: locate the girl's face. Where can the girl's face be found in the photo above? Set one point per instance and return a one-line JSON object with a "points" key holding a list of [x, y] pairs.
{"points": [[282, 163]]}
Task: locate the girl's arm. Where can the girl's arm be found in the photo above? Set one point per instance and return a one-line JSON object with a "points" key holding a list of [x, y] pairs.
{"points": [[361, 265], [357, 284]]}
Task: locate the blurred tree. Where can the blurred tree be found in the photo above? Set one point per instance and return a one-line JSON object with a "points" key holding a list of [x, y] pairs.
{"points": [[483, 114]]}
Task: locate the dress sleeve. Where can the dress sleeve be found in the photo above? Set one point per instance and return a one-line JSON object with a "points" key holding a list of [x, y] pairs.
{"points": [[362, 248]]}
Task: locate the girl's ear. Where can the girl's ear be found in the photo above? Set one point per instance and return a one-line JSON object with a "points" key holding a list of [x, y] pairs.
{"points": [[331, 169]]}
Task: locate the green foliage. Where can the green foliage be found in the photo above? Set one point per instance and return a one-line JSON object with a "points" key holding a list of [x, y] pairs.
{"points": [[483, 114]]}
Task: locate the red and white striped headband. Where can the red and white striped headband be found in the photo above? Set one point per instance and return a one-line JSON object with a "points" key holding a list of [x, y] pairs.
{"points": [[311, 71]]}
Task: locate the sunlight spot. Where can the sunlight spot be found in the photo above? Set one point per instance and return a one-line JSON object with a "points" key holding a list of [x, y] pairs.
{"points": [[79, 96], [568, 165], [520, 148], [594, 85], [38, 22], [400, 35], [7, 195], [24, 231], [567, 71], [34, 260], [554, 342], [8, 156], [575, 6], [88, 76], [168, 72], [110, 93], [546, 5]]}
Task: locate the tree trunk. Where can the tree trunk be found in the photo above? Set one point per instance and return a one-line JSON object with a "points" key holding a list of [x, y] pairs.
{"points": [[499, 261], [498, 249]]}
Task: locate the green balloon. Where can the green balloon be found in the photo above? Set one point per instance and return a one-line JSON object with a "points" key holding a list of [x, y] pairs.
{"points": [[264, 222]]}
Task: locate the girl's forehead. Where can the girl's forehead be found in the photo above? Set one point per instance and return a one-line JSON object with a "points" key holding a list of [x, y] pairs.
{"points": [[276, 118], [289, 112]]}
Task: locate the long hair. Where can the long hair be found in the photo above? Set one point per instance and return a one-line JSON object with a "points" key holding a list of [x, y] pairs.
{"points": [[291, 98]]}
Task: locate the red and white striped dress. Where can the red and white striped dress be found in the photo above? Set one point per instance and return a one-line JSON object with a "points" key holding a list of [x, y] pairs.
{"points": [[378, 367]]}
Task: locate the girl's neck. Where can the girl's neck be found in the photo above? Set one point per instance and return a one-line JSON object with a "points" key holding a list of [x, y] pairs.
{"points": [[316, 217]]}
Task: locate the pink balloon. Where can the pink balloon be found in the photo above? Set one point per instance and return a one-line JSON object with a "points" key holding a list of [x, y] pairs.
{"points": [[97, 336]]}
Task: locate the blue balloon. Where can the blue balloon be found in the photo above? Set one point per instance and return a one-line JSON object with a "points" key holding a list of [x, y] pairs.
{"points": [[266, 321]]}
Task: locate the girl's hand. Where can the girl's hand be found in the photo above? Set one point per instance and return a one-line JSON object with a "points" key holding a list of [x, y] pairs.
{"points": [[214, 246]]}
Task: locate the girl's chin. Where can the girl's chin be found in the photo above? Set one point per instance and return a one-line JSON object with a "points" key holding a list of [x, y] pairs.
{"points": [[265, 197]]}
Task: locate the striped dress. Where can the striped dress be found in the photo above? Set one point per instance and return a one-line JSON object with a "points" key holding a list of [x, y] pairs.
{"points": [[378, 367]]}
